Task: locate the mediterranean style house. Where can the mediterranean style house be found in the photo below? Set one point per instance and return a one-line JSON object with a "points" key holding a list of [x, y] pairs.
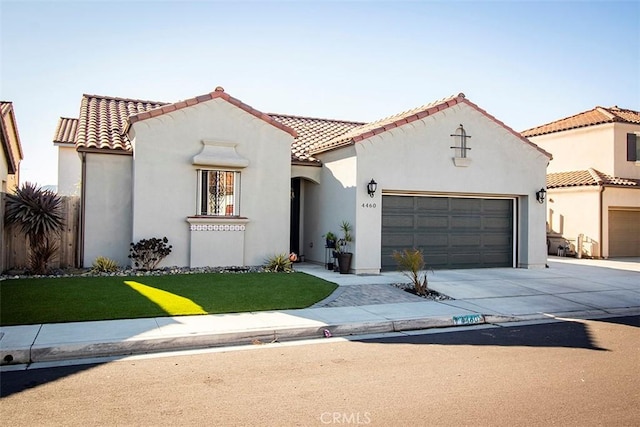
{"points": [[594, 180], [229, 185]]}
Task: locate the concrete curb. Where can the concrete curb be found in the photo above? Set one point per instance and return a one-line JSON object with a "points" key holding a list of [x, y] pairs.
{"points": [[121, 348], [81, 350]]}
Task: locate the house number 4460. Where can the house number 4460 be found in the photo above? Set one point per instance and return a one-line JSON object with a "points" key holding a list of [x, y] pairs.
{"points": [[368, 205]]}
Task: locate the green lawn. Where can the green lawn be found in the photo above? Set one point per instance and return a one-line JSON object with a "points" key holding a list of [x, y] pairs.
{"points": [[32, 301]]}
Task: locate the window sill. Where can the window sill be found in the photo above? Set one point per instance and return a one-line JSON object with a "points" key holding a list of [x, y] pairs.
{"points": [[217, 223], [462, 162]]}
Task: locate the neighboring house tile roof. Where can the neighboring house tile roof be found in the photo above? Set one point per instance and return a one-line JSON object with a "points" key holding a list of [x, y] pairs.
{"points": [[66, 131], [383, 125], [596, 116], [588, 177], [312, 131], [10, 137]]}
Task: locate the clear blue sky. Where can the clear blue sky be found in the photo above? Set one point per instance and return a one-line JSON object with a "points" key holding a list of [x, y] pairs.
{"points": [[527, 63]]}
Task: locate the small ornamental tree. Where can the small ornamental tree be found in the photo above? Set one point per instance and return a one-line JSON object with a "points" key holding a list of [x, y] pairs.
{"points": [[38, 212], [147, 253], [411, 263]]}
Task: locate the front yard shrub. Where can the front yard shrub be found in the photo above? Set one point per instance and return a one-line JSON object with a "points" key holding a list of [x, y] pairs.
{"points": [[104, 265], [279, 263], [411, 263], [147, 253], [38, 212]]}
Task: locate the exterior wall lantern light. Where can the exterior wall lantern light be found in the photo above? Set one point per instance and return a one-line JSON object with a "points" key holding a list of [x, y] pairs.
{"points": [[372, 186], [541, 195]]}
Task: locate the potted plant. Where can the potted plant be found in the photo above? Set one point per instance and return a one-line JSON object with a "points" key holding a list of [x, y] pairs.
{"points": [[344, 256], [330, 240]]}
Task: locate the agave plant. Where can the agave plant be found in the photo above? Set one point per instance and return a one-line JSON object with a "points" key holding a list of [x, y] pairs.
{"points": [[38, 212]]}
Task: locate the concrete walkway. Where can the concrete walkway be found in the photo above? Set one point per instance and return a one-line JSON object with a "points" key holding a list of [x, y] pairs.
{"points": [[361, 305]]}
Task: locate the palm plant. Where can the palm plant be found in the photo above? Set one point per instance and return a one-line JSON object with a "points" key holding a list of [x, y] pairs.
{"points": [[38, 212], [411, 263]]}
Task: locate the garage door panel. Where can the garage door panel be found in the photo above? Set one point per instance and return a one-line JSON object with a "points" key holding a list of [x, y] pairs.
{"points": [[493, 205], [465, 205], [398, 202], [493, 223], [489, 240], [432, 222], [466, 222], [432, 240], [452, 232], [462, 240], [398, 221], [398, 240], [624, 233], [430, 203]]}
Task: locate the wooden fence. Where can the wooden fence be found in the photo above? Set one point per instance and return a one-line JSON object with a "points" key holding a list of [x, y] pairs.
{"points": [[15, 246]]}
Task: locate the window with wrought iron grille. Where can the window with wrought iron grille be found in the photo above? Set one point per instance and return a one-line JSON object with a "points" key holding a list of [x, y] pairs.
{"points": [[219, 193]]}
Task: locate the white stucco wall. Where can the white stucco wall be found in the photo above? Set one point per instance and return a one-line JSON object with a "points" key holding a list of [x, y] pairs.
{"points": [[108, 220], [417, 159], [580, 149], [4, 171], [574, 211], [622, 167], [328, 204], [69, 170], [165, 181]]}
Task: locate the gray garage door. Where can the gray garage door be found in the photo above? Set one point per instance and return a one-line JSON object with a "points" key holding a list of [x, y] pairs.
{"points": [[624, 233], [452, 232]]}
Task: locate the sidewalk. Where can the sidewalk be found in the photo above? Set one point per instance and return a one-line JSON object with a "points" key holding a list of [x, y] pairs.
{"points": [[361, 305]]}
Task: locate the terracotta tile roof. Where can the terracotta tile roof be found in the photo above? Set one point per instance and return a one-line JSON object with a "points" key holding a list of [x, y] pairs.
{"points": [[312, 131], [217, 93], [66, 131], [5, 107], [588, 177], [103, 121], [596, 116], [374, 128]]}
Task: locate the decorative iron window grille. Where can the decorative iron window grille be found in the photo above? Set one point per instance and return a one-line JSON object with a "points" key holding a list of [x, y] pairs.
{"points": [[460, 138], [219, 192]]}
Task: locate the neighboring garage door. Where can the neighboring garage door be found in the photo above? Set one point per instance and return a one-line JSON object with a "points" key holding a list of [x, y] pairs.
{"points": [[452, 232], [624, 233]]}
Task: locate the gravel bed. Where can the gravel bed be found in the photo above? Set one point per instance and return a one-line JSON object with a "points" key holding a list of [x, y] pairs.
{"points": [[431, 294], [86, 272]]}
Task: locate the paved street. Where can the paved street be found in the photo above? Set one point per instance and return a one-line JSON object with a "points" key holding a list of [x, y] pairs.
{"points": [[571, 373]]}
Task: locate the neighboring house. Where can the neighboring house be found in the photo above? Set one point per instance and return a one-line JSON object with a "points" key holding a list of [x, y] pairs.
{"points": [[594, 180], [10, 158], [230, 185], [69, 166], [11, 149]]}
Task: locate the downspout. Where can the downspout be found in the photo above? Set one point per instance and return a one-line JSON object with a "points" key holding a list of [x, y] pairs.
{"points": [[83, 193], [601, 230]]}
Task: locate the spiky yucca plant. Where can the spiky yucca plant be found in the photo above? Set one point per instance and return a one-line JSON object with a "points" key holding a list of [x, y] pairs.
{"points": [[38, 212], [411, 263], [279, 263]]}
